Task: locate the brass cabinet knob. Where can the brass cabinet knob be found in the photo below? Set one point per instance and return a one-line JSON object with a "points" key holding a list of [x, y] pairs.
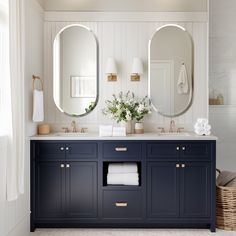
{"points": [[62, 165], [121, 204], [183, 148], [177, 148], [177, 165], [183, 165], [62, 148], [121, 149]]}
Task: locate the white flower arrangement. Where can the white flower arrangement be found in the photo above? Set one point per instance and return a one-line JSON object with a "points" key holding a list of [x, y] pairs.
{"points": [[126, 107]]}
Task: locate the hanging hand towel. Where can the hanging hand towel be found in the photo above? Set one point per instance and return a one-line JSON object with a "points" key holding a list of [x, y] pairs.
{"points": [[38, 111], [182, 85]]}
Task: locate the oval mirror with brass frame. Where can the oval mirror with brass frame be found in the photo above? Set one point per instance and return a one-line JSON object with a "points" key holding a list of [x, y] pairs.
{"points": [[170, 70], [75, 70]]}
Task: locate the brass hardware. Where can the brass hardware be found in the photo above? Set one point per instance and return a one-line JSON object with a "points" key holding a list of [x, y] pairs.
{"points": [[83, 130], [179, 129], [121, 204], [67, 148], [67, 165], [161, 129], [177, 148], [112, 78], [62, 148], [183, 165], [177, 165], [62, 165], [135, 77], [172, 126], [73, 126], [66, 130], [121, 149], [183, 148], [34, 77]]}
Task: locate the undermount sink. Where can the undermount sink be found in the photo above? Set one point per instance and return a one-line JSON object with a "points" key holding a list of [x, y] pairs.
{"points": [[70, 134], [174, 134]]}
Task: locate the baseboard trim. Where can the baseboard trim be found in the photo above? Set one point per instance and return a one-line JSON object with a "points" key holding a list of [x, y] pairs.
{"points": [[22, 228]]}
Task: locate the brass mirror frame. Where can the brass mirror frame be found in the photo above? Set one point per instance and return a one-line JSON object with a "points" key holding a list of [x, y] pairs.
{"points": [[190, 102], [97, 69]]}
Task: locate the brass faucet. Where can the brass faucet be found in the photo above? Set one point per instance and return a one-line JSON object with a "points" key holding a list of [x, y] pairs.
{"points": [[73, 126], [172, 126]]}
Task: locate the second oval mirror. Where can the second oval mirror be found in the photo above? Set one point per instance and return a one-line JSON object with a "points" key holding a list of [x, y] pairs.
{"points": [[75, 70], [171, 70]]}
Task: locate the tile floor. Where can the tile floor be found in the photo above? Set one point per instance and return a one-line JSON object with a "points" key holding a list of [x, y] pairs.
{"points": [[129, 232]]}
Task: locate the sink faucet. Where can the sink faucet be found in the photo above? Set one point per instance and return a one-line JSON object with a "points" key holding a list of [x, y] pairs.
{"points": [[73, 126], [172, 126]]}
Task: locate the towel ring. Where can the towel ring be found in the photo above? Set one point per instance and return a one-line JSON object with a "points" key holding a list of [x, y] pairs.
{"points": [[34, 77]]}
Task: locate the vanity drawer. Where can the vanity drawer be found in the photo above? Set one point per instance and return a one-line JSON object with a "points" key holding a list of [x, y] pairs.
{"points": [[118, 150], [81, 150], [122, 204], [196, 150], [163, 150], [50, 150]]}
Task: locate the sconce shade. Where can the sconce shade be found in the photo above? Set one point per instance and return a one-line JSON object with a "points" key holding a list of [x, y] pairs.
{"points": [[137, 67], [111, 66]]}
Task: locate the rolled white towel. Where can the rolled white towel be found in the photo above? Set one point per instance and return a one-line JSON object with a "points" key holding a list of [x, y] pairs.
{"points": [[203, 130], [122, 168], [202, 121], [105, 130], [123, 179], [202, 127]]}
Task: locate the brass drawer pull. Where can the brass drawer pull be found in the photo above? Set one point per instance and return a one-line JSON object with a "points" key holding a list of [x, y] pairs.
{"points": [[121, 204], [121, 149]]}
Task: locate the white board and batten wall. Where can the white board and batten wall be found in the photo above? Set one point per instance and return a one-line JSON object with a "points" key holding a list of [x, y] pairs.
{"points": [[124, 35]]}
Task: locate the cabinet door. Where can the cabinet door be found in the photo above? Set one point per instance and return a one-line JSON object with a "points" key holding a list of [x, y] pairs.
{"points": [[81, 189], [163, 189], [50, 190], [195, 187]]}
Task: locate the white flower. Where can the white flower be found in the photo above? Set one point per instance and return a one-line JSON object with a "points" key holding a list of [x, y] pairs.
{"points": [[140, 108]]}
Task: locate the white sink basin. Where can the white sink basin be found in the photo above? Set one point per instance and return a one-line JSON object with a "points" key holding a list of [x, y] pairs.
{"points": [[70, 134], [175, 134]]}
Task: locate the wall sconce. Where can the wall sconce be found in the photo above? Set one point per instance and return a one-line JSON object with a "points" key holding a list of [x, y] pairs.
{"points": [[111, 69], [137, 69]]}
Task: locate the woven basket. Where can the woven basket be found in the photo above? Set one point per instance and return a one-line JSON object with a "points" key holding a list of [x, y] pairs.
{"points": [[226, 207]]}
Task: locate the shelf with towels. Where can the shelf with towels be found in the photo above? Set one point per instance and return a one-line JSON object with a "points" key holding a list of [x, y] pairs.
{"points": [[122, 174]]}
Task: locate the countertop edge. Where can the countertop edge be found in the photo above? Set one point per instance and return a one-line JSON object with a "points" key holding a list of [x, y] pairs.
{"points": [[146, 136]]}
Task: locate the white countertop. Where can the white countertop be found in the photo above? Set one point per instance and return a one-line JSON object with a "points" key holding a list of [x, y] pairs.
{"points": [[145, 136]]}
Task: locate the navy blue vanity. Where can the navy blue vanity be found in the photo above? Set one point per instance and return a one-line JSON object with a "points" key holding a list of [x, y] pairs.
{"points": [[176, 187]]}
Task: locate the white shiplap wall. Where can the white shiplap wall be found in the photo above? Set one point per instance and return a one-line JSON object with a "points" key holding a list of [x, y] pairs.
{"points": [[222, 58], [15, 215], [123, 37]]}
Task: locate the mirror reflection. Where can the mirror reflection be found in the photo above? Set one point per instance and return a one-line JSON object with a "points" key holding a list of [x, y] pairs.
{"points": [[75, 78], [171, 70]]}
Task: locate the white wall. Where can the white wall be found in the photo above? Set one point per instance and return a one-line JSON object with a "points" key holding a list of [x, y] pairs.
{"points": [[125, 5], [223, 79], [124, 40], [14, 216]]}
